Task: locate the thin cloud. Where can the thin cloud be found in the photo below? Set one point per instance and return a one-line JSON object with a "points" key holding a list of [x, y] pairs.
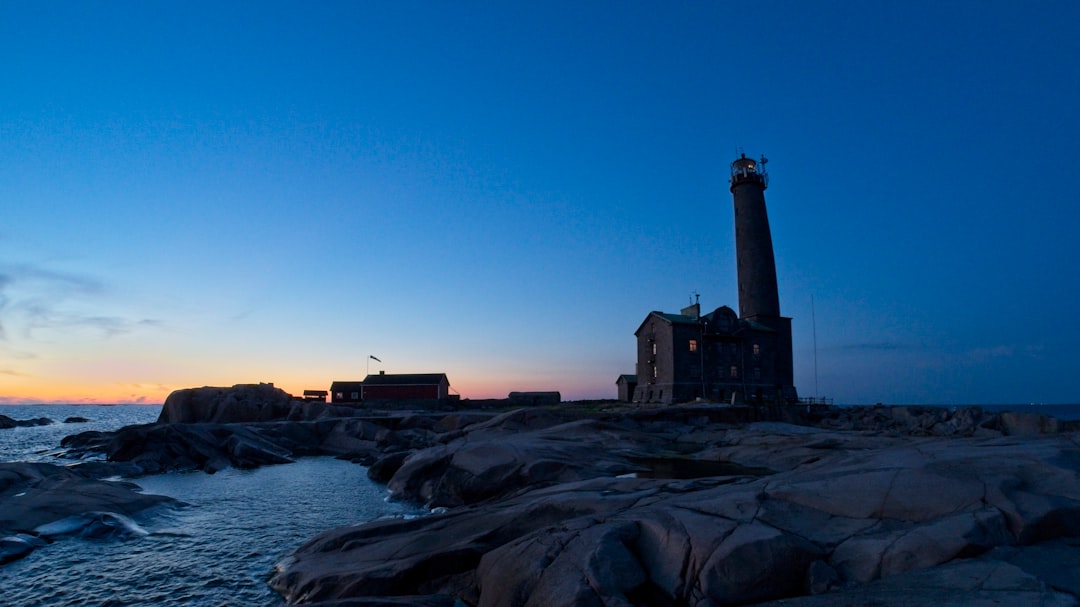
{"points": [[13, 400], [36, 299], [1003, 351], [41, 316]]}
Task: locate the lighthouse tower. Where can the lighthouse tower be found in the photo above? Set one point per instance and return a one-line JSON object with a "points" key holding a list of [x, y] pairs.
{"points": [[753, 242], [759, 300]]}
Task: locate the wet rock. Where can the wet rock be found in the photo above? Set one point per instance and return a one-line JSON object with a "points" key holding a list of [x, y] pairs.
{"points": [[15, 547], [7, 422], [92, 525], [41, 501], [384, 468]]}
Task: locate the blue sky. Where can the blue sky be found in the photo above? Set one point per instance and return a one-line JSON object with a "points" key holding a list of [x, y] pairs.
{"points": [[215, 193]]}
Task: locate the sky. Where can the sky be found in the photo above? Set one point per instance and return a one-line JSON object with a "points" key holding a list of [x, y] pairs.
{"points": [[212, 193]]}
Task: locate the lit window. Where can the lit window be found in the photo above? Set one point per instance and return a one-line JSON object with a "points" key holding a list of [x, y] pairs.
{"points": [[654, 372], [339, 395], [734, 371], [654, 348], [693, 345], [757, 350]]}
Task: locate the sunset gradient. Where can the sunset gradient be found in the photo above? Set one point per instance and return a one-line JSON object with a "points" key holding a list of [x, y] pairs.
{"points": [[208, 193]]}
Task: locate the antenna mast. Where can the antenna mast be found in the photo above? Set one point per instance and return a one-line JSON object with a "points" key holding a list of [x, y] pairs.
{"points": [[813, 322]]}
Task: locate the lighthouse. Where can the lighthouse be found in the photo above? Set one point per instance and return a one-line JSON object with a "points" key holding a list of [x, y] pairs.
{"points": [[720, 356], [759, 299]]}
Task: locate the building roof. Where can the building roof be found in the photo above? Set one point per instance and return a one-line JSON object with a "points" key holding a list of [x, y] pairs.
{"points": [[678, 319], [628, 378], [674, 319], [406, 379], [346, 386]]}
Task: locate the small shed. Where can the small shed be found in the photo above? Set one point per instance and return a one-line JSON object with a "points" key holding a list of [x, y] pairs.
{"points": [[626, 384], [318, 395], [534, 399]]}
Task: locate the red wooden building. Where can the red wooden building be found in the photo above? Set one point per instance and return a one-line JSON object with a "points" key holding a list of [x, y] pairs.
{"points": [[404, 386]]}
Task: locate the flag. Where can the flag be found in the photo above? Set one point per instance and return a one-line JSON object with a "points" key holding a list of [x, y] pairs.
{"points": [[373, 358]]}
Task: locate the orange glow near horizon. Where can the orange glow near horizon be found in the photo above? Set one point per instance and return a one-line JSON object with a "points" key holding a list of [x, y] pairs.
{"points": [[85, 393]]}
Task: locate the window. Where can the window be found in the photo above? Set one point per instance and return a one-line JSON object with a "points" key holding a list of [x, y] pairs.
{"points": [[339, 395], [757, 350], [695, 372], [355, 395], [734, 372], [654, 349], [693, 345], [757, 373], [654, 372]]}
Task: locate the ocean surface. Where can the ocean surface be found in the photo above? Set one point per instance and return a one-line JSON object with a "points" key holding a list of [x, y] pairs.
{"points": [[1062, 412], [218, 549]]}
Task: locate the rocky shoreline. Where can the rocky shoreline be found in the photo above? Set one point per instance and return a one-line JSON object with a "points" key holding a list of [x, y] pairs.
{"points": [[698, 504], [41, 503]]}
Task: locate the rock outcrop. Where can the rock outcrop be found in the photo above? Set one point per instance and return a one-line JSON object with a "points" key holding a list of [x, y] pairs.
{"points": [[41, 502], [688, 505], [209, 447], [7, 422], [243, 403], [540, 516]]}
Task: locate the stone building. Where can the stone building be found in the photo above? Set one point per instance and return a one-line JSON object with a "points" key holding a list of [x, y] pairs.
{"points": [[722, 356]]}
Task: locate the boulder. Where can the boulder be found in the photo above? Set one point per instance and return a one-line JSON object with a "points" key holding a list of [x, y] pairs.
{"points": [[240, 403]]}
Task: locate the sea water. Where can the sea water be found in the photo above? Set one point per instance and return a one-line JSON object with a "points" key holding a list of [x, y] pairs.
{"points": [[218, 548]]}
